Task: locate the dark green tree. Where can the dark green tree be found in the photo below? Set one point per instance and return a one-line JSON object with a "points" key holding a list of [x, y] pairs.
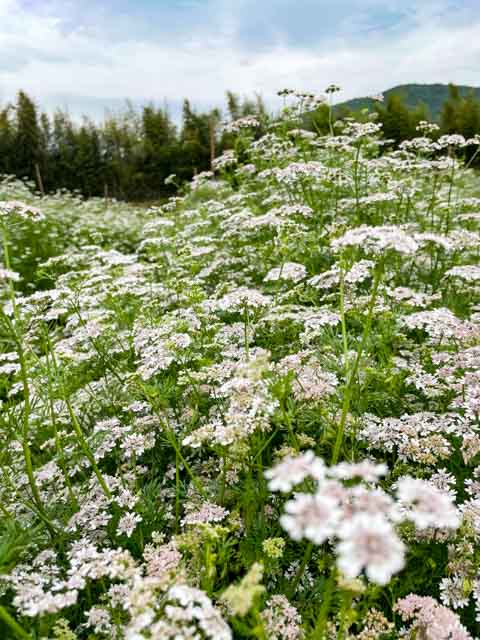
{"points": [[396, 119], [27, 136], [7, 141]]}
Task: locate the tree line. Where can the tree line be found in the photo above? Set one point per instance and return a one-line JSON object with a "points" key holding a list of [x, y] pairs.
{"points": [[459, 114], [129, 155]]}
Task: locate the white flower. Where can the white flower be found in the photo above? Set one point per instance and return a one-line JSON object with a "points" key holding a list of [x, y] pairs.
{"points": [[293, 470], [99, 619], [8, 274], [452, 592], [288, 271], [377, 240], [20, 209], [207, 513], [127, 524], [359, 271], [468, 272], [366, 470], [242, 297], [369, 543], [314, 517], [426, 505]]}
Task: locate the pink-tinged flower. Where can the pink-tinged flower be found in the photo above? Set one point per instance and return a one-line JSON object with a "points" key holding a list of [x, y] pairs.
{"points": [[207, 513], [452, 592], [365, 470], [314, 517], [293, 470], [291, 271], [282, 620], [369, 543], [426, 505], [370, 501], [431, 620], [128, 523], [376, 240], [468, 272], [20, 209]]}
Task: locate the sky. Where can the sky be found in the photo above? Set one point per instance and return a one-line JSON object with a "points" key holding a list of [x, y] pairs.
{"points": [[91, 55]]}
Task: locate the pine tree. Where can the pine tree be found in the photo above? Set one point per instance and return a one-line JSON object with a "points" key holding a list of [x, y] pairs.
{"points": [[63, 152], [88, 161], [396, 119], [159, 146], [28, 136], [195, 141], [233, 105], [7, 141]]}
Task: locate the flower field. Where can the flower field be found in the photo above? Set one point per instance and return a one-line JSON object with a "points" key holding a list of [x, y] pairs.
{"points": [[253, 411]]}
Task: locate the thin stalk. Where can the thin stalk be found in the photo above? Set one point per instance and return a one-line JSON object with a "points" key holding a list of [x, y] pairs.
{"points": [[79, 433], [5, 511], [246, 324], [100, 351], [330, 115], [449, 199], [86, 449], [223, 484], [344, 325], [172, 440], [301, 569], [58, 445], [431, 207], [288, 422], [467, 166], [320, 627], [177, 494], [343, 622], [27, 454], [265, 445], [353, 371], [13, 624], [356, 182]]}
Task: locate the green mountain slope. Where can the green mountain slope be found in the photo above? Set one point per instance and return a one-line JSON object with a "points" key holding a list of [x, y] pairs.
{"points": [[432, 95]]}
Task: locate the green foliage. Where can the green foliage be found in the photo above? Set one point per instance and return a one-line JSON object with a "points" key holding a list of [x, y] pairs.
{"points": [[433, 96], [128, 156], [163, 368]]}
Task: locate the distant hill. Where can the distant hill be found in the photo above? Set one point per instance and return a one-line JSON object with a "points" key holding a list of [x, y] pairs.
{"points": [[432, 95]]}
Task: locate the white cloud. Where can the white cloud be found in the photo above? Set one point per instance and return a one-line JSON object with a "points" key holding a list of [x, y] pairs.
{"points": [[80, 63]]}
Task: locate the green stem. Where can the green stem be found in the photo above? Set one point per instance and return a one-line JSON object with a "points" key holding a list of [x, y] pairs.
{"points": [[344, 325], [13, 624], [265, 445], [246, 321], [86, 449], [449, 199], [27, 454], [223, 484], [58, 445], [5, 511], [467, 166], [172, 440], [356, 181], [343, 622], [330, 115], [288, 421], [320, 627], [177, 494], [301, 569], [353, 371]]}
